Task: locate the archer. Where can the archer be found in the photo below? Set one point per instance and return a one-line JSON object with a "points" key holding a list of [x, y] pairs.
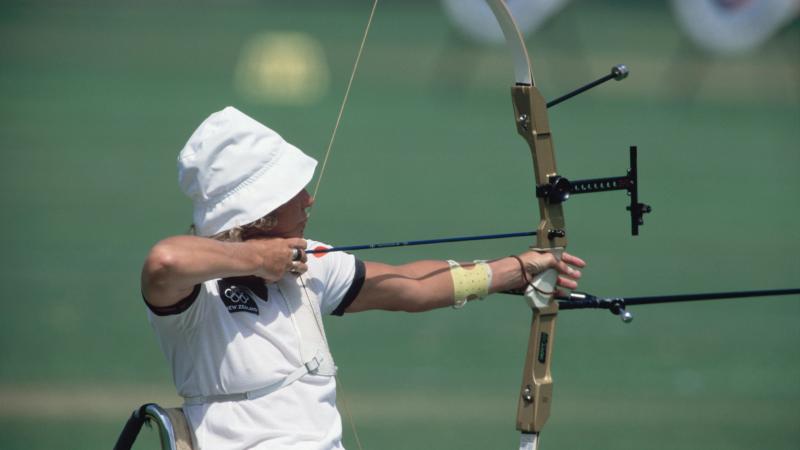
{"points": [[237, 308]]}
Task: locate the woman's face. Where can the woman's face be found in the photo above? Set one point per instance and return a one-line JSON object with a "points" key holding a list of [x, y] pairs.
{"points": [[292, 216]]}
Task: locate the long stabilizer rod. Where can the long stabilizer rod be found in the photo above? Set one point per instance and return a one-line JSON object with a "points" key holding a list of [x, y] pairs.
{"points": [[617, 305], [481, 237]]}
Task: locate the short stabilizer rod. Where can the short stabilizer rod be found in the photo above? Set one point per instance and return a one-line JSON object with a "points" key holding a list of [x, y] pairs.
{"points": [[618, 72]]}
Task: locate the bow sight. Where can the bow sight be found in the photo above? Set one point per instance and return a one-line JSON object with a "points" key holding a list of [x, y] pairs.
{"points": [[558, 189]]}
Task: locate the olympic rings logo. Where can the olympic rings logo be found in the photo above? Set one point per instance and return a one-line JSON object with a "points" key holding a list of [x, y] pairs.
{"points": [[236, 295]]}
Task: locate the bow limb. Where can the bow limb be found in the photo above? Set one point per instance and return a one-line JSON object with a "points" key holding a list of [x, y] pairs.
{"points": [[530, 112]]}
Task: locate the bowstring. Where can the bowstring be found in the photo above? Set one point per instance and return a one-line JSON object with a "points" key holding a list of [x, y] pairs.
{"points": [[314, 196], [339, 385], [344, 100]]}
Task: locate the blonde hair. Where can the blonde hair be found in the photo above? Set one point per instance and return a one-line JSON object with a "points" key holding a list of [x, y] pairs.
{"points": [[256, 228]]}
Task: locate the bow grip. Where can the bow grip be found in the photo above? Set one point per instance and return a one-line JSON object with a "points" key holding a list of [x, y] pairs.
{"points": [[540, 292]]}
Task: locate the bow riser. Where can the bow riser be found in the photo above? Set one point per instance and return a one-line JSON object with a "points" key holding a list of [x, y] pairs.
{"points": [[530, 110], [536, 392]]}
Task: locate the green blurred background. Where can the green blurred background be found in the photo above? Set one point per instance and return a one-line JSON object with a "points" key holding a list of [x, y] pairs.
{"points": [[98, 98]]}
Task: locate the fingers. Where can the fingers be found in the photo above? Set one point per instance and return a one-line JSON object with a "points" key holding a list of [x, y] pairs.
{"points": [[298, 247], [567, 268], [567, 283], [297, 268], [569, 275], [280, 256], [572, 260], [297, 265], [299, 255], [297, 243], [567, 265]]}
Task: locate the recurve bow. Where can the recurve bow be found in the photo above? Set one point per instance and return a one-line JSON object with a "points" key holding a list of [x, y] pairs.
{"points": [[530, 115]]}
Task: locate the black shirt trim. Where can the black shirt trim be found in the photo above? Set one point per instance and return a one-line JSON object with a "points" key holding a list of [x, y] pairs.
{"points": [[355, 288], [182, 305]]}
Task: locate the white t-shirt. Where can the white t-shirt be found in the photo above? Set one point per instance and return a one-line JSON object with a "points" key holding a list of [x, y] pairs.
{"points": [[234, 343]]}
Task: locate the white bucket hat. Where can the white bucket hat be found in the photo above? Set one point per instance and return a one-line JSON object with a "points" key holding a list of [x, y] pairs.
{"points": [[237, 170]]}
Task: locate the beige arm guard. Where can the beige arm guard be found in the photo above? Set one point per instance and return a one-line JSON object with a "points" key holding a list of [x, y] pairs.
{"points": [[470, 284]]}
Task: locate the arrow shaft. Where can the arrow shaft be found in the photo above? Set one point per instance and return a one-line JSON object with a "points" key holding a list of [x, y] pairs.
{"points": [[481, 237]]}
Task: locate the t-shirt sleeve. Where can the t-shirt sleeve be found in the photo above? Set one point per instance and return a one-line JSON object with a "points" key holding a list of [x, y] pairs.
{"points": [[181, 316], [355, 288], [342, 276]]}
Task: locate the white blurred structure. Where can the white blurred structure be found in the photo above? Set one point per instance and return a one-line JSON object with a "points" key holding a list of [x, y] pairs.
{"points": [[475, 20], [733, 26], [287, 68]]}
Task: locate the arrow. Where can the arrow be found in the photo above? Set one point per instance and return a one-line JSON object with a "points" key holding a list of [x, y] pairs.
{"points": [[481, 237]]}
